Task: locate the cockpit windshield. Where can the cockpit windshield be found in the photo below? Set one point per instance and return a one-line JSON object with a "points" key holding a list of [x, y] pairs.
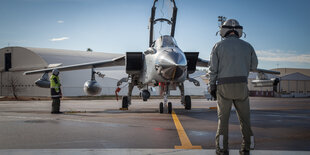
{"points": [[165, 41]]}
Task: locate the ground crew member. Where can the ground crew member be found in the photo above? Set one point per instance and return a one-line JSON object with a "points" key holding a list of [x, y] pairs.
{"points": [[231, 61], [55, 91]]}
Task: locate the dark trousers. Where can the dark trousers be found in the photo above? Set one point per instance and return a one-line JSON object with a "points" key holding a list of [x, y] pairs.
{"points": [[55, 105]]}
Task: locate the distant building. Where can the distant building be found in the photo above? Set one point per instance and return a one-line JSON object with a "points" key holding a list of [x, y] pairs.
{"points": [[295, 85]]}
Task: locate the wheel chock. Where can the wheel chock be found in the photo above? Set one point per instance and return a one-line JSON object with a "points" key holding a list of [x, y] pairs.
{"points": [[214, 108]]}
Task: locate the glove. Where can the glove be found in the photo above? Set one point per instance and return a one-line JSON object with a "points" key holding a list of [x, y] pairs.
{"points": [[213, 91]]}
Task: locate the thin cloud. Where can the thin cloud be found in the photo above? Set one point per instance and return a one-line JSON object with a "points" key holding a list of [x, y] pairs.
{"points": [[60, 21], [281, 56], [59, 39]]}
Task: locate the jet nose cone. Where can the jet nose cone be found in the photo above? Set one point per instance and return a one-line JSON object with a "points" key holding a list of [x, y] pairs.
{"points": [[172, 65], [173, 59]]}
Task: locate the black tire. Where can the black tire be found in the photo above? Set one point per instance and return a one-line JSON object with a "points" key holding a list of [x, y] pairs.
{"points": [[125, 102], [144, 99], [188, 102], [169, 107], [161, 107]]}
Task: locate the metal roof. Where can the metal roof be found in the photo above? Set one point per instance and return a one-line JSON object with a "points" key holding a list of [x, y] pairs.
{"points": [[296, 77]]}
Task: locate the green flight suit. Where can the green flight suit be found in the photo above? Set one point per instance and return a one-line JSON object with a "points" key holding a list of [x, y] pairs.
{"points": [[237, 94], [231, 61]]}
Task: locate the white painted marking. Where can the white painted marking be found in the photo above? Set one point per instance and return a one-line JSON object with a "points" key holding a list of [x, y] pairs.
{"points": [[252, 143], [139, 152], [221, 141]]}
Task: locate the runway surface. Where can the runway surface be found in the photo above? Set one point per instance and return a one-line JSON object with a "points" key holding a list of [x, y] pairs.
{"points": [[277, 123]]}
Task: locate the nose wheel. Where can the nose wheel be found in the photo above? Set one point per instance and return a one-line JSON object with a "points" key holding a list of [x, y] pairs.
{"points": [[169, 107], [166, 105]]}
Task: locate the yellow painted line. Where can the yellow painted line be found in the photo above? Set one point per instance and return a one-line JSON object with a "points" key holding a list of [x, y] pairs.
{"points": [[186, 143]]}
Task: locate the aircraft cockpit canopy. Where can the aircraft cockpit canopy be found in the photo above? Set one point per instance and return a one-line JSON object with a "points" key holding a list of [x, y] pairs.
{"points": [[165, 41]]}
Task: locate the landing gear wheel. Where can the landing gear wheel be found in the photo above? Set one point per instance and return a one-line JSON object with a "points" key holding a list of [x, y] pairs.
{"points": [[169, 107], [125, 102], [161, 107], [188, 102]]}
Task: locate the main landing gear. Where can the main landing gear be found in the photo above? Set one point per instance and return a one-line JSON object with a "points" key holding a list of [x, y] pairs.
{"points": [[164, 107], [188, 103], [185, 100], [125, 102]]}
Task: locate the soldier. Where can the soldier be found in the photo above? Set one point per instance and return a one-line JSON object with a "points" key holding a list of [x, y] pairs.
{"points": [[55, 91], [231, 61]]}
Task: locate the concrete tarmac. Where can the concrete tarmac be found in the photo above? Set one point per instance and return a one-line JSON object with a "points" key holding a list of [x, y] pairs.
{"points": [[278, 124]]}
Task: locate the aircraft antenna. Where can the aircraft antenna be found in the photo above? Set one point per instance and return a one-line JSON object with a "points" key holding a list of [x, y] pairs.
{"points": [[221, 20]]}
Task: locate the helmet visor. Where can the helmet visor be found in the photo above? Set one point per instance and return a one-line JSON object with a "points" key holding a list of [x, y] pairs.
{"points": [[232, 27]]}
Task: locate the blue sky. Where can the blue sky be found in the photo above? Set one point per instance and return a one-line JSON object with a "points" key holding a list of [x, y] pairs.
{"points": [[277, 29]]}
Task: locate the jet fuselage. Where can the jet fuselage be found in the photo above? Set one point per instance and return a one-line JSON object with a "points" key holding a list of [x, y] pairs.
{"points": [[164, 62]]}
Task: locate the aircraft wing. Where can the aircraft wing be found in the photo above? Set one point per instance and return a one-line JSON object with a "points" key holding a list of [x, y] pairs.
{"points": [[206, 63], [120, 61], [202, 63], [258, 70]]}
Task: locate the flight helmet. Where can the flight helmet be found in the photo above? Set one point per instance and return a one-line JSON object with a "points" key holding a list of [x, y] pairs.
{"points": [[231, 25]]}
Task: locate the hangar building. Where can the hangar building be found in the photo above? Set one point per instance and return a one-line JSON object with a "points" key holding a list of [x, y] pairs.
{"points": [[16, 60]]}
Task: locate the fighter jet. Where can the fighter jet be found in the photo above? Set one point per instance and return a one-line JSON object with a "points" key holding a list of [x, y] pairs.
{"points": [[163, 64]]}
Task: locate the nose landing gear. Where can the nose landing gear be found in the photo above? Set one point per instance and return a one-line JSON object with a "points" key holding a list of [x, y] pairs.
{"points": [[166, 105]]}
